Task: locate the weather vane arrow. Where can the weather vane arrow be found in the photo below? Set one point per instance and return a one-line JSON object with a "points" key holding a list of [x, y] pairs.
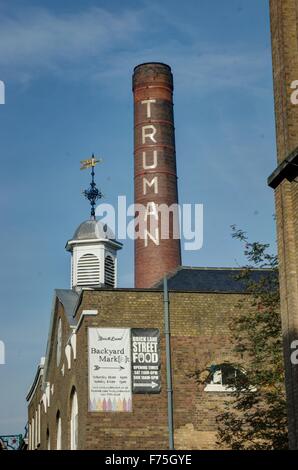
{"points": [[93, 194], [91, 162]]}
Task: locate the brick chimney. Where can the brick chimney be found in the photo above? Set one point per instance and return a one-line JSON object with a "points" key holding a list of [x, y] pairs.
{"points": [[155, 175]]}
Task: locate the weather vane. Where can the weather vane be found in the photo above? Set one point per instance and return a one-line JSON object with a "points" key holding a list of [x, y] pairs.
{"points": [[93, 194]]}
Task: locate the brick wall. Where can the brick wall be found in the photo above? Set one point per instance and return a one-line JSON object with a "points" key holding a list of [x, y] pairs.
{"points": [[153, 259], [284, 33], [200, 337]]}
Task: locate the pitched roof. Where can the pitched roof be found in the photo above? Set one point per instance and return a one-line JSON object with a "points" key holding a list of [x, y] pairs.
{"points": [[210, 279], [39, 373], [69, 299]]}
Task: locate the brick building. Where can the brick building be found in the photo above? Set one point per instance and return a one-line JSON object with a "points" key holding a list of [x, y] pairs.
{"points": [[284, 34], [88, 395], [203, 302]]}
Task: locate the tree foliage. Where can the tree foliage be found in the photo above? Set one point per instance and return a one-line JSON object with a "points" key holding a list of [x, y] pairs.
{"points": [[255, 416]]}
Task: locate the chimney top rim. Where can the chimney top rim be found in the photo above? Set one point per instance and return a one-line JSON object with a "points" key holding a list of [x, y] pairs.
{"points": [[152, 63]]}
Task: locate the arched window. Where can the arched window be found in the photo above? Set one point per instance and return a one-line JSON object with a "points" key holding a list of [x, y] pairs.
{"points": [[109, 271], [39, 424], [59, 342], [36, 429], [223, 378], [74, 421], [30, 438], [59, 431], [48, 440], [88, 270], [33, 433]]}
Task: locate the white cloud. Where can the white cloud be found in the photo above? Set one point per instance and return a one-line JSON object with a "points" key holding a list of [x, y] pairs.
{"points": [[42, 39], [209, 71], [217, 69], [100, 45]]}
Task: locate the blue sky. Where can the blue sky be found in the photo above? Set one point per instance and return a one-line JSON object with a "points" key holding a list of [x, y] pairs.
{"points": [[67, 67]]}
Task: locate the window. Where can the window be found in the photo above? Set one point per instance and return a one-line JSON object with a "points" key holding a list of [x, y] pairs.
{"points": [[36, 429], [30, 437], [222, 377], [88, 270], [74, 421], [33, 433], [59, 342], [59, 431], [39, 424], [109, 271], [48, 440]]}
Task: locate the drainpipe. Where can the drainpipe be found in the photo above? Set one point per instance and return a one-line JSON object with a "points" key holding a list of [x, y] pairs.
{"points": [[168, 362]]}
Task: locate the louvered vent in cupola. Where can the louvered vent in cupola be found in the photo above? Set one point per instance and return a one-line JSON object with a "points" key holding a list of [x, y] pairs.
{"points": [[88, 270], [93, 251], [109, 271]]}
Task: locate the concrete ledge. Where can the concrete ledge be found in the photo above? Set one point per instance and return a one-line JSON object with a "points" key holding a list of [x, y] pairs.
{"points": [[288, 169]]}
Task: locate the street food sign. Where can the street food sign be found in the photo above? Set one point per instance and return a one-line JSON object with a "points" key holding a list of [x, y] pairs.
{"points": [[109, 354], [145, 347]]}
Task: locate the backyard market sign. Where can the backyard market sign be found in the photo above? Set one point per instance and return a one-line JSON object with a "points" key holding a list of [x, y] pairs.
{"points": [[109, 369], [122, 361]]}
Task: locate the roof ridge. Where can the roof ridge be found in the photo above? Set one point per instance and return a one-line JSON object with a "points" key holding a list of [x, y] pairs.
{"points": [[221, 268]]}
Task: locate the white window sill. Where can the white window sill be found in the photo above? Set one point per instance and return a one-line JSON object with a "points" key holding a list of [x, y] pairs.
{"points": [[218, 388]]}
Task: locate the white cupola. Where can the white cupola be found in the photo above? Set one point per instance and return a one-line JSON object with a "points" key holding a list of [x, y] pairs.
{"points": [[93, 251]]}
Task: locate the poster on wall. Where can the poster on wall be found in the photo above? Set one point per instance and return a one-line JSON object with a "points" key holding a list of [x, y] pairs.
{"points": [[145, 346], [109, 354]]}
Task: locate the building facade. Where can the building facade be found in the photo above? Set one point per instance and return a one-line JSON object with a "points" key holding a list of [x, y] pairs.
{"points": [[284, 35], [89, 393], [203, 303]]}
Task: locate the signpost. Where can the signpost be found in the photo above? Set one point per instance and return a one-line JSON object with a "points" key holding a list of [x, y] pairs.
{"points": [[145, 346]]}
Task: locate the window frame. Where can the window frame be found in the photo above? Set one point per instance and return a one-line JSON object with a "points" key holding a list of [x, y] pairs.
{"points": [[59, 342], [74, 425], [58, 431], [220, 387]]}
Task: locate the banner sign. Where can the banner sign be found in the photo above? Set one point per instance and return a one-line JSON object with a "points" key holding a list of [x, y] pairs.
{"points": [[109, 354], [145, 345]]}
